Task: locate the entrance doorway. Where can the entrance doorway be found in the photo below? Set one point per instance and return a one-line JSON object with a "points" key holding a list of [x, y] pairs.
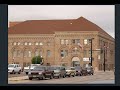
{"points": [[75, 61]]}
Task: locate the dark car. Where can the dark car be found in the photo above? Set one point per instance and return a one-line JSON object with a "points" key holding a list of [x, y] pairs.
{"points": [[84, 71], [59, 71], [90, 70], [78, 70], [40, 72]]}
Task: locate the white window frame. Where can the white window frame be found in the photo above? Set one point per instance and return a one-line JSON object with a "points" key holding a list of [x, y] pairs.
{"points": [[62, 41]]}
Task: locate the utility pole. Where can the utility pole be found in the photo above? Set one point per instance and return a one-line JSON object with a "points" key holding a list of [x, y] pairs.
{"points": [[91, 50], [104, 58]]}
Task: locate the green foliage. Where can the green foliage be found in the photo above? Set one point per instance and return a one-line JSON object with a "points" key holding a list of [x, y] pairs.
{"points": [[36, 60]]}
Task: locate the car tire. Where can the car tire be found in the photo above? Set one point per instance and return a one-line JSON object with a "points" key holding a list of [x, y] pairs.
{"points": [[26, 73], [30, 78], [74, 75], [13, 72], [63, 76], [43, 77], [19, 72], [70, 75], [51, 77]]}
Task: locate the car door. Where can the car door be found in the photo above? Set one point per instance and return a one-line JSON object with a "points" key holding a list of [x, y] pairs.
{"points": [[63, 71], [15, 68]]}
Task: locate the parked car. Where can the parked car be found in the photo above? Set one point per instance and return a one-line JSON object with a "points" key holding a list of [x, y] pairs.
{"points": [[29, 68], [40, 72], [90, 70], [78, 70], [84, 71], [59, 71], [14, 68], [70, 71]]}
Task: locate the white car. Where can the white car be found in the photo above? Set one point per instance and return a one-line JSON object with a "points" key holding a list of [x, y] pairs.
{"points": [[29, 68], [14, 68]]}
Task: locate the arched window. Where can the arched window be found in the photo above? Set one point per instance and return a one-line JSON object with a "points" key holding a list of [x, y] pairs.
{"points": [[62, 41], [48, 53], [14, 43], [63, 53], [27, 53], [16, 53], [75, 50], [38, 52]]}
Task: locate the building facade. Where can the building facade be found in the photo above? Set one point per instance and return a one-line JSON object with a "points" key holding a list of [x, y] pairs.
{"points": [[61, 42]]}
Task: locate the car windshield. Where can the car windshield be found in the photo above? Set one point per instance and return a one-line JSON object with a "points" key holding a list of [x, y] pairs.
{"points": [[38, 68], [77, 68], [55, 68], [68, 68], [10, 65]]}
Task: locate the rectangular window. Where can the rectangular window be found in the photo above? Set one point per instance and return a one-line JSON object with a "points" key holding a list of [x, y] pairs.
{"points": [[62, 41], [77, 41], [85, 53], [48, 53], [15, 53], [73, 41], [85, 41], [66, 52], [25, 53], [36, 53], [40, 52], [25, 43], [62, 53], [66, 42], [18, 53], [29, 53]]}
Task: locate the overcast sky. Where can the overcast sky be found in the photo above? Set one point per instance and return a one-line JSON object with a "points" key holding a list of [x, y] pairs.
{"points": [[102, 15]]}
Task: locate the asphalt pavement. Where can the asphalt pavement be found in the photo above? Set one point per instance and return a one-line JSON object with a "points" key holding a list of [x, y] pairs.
{"points": [[16, 75], [97, 78]]}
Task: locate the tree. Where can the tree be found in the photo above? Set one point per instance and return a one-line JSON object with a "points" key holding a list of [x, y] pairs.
{"points": [[37, 60]]}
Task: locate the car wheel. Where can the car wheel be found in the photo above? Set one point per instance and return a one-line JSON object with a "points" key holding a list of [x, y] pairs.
{"points": [[59, 76], [19, 72], [63, 76], [70, 75], [74, 75], [43, 77], [51, 77], [13, 72], [30, 78], [39, 78], [26, 73]]}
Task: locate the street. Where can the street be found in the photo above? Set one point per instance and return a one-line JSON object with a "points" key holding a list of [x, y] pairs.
{"points": [[16, 75], [97, 78]]}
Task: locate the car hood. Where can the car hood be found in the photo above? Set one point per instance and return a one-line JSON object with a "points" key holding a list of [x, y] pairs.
{"points": [[68, 70], [37, 71], [10, 68], [56, 71]]}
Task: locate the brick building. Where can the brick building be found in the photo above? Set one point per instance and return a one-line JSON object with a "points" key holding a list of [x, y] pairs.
{"points": [[60, 42]]}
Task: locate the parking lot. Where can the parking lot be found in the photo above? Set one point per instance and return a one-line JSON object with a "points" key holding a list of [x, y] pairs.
{"points": [[99, 77]]}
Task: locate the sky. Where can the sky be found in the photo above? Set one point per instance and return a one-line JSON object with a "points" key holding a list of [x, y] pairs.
{"points": [[102, 15]]}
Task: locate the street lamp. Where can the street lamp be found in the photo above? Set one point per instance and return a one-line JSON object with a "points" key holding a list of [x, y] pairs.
{"points": [[91, 49]]}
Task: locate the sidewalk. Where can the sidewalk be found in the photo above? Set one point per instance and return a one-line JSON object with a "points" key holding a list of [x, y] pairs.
{"points": [[18, 78]]}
